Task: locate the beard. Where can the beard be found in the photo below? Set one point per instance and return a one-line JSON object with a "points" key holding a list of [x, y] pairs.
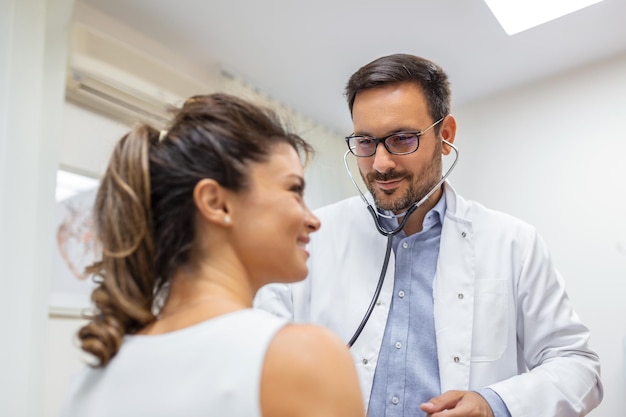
{"points": [[427, 178]]}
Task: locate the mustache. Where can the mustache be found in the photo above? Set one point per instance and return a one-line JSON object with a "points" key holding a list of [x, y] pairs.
{"points": [[387, 176]]}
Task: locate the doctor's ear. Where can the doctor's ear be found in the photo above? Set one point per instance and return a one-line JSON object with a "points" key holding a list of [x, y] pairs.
{"points": [[211, 200], [447, 132]]}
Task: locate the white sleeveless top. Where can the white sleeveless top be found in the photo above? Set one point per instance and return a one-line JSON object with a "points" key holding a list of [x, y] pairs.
{"points": [[210, 369]]}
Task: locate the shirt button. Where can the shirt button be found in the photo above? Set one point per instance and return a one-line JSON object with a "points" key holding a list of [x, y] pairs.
{"points": [[378, 303], [405, 245], [395, 400], [460, 296], [463, 234], [457, 359], [398, 345], [401, 294], [365, 361]]}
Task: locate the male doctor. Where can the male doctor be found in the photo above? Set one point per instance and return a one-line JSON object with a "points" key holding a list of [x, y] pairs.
{"points": [[472, 317]]}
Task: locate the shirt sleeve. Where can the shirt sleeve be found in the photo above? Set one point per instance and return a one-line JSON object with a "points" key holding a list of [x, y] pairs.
{"points": [[498, 407]]}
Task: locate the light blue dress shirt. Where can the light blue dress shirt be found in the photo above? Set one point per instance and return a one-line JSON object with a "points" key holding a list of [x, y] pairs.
{"points": [[407, 373]]}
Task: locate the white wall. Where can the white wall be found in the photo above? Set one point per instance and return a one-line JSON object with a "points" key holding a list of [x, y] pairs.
{"points": [[64, 360], [32, 66], [552, 153], [86, 142]]}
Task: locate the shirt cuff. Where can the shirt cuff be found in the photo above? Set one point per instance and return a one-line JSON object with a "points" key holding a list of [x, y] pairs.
{"points": [[498, 407]]}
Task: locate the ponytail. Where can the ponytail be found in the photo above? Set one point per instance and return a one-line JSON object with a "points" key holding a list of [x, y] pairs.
{"points": [[126, 274]]}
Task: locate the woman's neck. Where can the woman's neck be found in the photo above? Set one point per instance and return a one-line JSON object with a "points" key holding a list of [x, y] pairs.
{"points": [[199, 294]]}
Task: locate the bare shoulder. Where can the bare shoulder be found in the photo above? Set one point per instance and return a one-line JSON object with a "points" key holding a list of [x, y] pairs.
{"points": [[309, 372], [308, 339]]}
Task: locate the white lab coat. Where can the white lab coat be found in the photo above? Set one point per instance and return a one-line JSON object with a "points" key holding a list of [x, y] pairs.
{"points": [[502, 317]]}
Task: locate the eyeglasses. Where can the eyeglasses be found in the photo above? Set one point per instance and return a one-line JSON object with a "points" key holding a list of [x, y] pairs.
{"points": [[399, 143]]}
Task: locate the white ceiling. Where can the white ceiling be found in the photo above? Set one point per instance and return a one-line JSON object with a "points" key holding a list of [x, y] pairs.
{"points": [[302, 52]]}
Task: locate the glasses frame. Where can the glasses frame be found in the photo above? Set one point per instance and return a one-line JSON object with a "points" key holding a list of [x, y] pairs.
{"points": [[383, 140]]}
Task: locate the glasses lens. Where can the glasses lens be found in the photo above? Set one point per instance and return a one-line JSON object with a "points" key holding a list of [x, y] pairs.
{"points": [[402, 143], [362, 145]]}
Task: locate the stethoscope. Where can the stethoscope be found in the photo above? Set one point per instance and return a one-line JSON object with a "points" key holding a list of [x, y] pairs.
{"points": [[376, 215]]}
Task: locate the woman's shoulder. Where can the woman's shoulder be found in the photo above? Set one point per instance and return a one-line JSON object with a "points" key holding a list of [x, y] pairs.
{"points": [[309, 371], [316, 340]]}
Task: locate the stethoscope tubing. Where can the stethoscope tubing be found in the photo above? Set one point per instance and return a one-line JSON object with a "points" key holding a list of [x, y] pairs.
{"points": [[390, 234], [379, 287]]}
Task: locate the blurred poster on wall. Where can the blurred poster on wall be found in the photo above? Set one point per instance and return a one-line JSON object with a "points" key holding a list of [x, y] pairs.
{"points": [[75, 243]]}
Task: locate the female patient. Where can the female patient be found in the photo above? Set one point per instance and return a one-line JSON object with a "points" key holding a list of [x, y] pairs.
{"points": [[192, 223]]}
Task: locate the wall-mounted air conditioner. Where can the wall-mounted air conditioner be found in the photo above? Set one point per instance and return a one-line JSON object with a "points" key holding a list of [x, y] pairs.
{"points": [[121, 81]]}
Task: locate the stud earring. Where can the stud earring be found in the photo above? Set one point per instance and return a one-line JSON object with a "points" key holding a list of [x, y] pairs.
{"points": [[227, 219]]}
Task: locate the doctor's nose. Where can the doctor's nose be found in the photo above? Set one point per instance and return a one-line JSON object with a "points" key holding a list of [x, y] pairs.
{"points": [[383, 160]]}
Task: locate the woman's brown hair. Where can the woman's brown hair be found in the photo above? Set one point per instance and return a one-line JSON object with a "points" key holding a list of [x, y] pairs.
{"points": [[144, 209]]}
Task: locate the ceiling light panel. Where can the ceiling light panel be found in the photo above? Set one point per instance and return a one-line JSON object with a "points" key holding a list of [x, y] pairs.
{"points": [[518, 15]]}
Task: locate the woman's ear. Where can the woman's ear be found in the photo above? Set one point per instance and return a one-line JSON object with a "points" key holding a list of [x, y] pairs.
{"points": [[211, 200], [447, 132]]}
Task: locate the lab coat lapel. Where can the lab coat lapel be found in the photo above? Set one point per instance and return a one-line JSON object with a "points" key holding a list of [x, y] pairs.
{"points": [[453, 292]]}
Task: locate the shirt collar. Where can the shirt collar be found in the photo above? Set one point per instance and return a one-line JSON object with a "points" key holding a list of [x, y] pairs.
{"points": [[434, 216]]}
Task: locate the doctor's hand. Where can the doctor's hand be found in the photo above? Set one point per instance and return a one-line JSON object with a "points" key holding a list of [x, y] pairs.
{"points": [[457, 404]]}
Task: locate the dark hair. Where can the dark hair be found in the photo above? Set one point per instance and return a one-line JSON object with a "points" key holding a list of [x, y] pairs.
{"points": [[401, 68], [144, 210]]}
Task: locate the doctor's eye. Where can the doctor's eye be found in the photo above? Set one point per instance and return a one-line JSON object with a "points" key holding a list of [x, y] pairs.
{"points": [[402, 139]]}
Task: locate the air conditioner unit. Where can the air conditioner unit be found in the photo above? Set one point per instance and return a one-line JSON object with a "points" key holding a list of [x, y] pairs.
{"points": [[121, 81]]}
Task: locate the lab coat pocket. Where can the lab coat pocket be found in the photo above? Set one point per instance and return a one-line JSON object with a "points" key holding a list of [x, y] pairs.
{"points": [[490, 320]]}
